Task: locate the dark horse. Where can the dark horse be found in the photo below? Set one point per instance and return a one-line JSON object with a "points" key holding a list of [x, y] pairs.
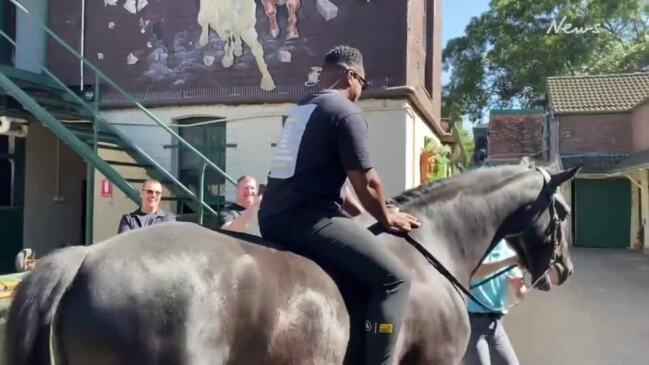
{"points": [[178, 293]]}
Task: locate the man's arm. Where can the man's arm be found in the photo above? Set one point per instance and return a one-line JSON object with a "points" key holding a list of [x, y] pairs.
{"points": [[124, 224], [518, 287], [240, 224], [354, 155], [369, 189], [350, 204]]}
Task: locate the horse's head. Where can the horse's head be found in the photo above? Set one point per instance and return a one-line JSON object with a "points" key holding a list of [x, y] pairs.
{"points": [[536, 232]]}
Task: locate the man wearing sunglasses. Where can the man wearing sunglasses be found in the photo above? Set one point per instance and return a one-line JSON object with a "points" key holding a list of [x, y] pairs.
{"points": [[324, 143], [149, 212]]}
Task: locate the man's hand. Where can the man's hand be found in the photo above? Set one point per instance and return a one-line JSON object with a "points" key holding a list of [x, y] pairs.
{"points": [[401, 221], [257, 202], [518, 286], [241, 223]]}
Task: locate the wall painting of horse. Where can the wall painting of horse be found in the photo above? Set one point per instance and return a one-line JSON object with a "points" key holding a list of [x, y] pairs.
{"points": [[234, 21]]}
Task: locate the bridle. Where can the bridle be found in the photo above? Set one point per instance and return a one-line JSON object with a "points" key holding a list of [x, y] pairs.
{"points": [[553, 228], [555, 232]]}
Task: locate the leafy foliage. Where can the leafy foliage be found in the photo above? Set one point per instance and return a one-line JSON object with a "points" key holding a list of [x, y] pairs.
{"points": [[507, 53]]}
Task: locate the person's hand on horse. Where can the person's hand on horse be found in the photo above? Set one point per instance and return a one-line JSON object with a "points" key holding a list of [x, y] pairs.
{"points": [[257, 201], [401, 221]]}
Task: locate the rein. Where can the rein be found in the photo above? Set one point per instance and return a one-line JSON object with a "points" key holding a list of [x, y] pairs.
{"points": [[377, 228], [444, 271]]}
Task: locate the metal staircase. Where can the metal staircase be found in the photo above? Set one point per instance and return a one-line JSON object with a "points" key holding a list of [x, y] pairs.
{"points": [[81, 124]]}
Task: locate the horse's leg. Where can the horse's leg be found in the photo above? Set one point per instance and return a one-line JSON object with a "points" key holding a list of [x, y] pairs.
{"points": [[237, 45], [204, 20], [228, 56], [249, 36], [270, 9], [293, 7]]}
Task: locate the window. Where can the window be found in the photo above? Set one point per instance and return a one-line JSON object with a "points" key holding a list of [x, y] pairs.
{"points": [[210, 140], [567, 134]]}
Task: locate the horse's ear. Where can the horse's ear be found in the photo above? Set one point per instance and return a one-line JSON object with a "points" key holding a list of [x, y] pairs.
{"points": [[564, 176], [526, 161]]}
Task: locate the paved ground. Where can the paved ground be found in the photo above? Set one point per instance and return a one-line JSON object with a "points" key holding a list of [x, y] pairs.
{"points": [[599, 317]]}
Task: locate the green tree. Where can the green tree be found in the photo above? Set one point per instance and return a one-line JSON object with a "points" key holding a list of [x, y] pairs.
{"points": [[507, 53], [467, 141]]}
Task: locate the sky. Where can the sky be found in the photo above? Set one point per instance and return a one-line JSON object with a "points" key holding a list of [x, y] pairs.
{"points": [[456, 15]]}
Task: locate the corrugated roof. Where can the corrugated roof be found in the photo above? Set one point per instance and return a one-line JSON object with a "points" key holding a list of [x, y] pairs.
{"points": [[598, 93]]}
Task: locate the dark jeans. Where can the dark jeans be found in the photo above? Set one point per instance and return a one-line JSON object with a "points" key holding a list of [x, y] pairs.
{"points": [[341, 244], [489, 343]]}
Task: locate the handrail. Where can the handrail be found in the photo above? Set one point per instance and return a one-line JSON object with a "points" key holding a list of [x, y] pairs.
{"points": [[64, 133], [121, 91]]}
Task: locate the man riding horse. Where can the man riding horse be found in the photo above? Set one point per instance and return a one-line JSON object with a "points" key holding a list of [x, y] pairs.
{"points": [[324, 142], [180, 294]]}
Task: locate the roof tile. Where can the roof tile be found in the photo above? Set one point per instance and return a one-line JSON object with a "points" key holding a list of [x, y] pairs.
{"points": [[599, 93]]}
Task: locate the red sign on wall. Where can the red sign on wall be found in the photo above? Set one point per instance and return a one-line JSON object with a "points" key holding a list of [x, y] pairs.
{"points": [[106, 189]]}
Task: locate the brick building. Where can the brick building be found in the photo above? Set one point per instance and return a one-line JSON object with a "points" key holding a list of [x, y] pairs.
{"points": [[514, 134]]}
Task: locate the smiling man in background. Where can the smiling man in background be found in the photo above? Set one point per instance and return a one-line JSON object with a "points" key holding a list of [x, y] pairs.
{"points": [[242, 214], [149, 212]]}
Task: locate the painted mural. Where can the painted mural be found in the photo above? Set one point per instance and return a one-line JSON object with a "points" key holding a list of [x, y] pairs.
{"points": [[220, 49], [234, 22]]}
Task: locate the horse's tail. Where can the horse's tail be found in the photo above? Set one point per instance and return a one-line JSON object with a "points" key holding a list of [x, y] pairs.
{"points": [[35, 304]]}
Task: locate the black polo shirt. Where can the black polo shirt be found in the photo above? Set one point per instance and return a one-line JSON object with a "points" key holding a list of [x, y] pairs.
{"points": [[325, 136], [138, 219]]}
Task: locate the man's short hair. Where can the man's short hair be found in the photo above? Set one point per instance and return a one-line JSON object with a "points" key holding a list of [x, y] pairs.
{"points": [[154, 181], [341, 56], [245, 177]]}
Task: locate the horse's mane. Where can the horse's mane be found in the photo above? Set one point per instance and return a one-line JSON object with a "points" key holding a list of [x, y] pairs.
{"points": [[478, 181]]}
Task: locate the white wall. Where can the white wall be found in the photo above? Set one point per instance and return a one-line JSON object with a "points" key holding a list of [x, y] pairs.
{"points": [[253, 151], [387, 141], [397, 134], [53, 211], [253, 138]]}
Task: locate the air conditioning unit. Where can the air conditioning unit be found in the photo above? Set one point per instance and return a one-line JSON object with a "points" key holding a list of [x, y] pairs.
{"points": [[13, 127]]}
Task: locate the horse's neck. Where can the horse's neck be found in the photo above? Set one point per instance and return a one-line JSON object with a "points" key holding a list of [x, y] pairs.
{"points": [[462, 229]]}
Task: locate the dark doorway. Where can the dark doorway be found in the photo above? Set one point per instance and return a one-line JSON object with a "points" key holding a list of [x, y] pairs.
{"points": [[8, 26], [11, 213]]}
